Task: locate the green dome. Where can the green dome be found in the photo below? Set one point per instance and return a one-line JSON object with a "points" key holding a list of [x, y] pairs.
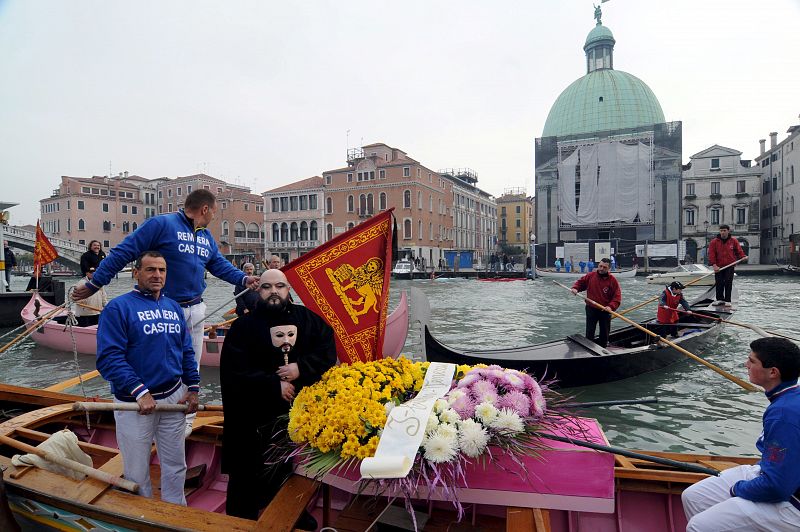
{"points": [[603, 100], [599, 33]]}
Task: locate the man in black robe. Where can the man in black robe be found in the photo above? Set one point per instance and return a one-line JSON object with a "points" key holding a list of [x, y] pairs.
{"points": [[258, 385]]}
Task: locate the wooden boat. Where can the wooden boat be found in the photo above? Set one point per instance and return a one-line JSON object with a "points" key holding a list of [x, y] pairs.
{"points": [[54, 335], [552, 274], [646, 496], [684, 273], [576, 361]]}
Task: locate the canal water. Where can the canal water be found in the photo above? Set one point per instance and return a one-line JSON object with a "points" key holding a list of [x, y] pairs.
{"points": [[698, 410]]}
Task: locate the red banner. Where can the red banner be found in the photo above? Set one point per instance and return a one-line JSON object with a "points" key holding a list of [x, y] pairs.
{"points": [[44, 252], [346, 281]]}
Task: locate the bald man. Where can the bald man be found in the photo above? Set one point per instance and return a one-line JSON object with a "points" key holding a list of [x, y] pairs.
{"points": [[268, 356]]}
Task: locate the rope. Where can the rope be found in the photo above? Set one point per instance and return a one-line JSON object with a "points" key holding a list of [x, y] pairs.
{"points": [[71, 322]]}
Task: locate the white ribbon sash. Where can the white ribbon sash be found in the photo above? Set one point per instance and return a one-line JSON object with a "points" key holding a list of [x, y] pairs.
{"points": [[405, 427]]}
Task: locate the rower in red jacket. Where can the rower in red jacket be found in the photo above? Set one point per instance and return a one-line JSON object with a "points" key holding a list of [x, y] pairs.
{"points": [[724, 250], [667, 316], [603, 288]]}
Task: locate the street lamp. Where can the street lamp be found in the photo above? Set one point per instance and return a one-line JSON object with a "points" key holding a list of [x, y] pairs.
{"points": [[705, 259], [533, 256]]}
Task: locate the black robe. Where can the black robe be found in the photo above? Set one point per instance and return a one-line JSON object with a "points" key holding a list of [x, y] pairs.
{"points": [[251, 395]]}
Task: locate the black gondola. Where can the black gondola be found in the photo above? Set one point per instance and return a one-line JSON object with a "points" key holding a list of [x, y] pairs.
{"points": [[576, 361]]}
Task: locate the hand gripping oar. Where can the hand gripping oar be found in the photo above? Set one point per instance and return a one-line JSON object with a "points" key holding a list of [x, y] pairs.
{"points": [[640, 305], [693, 468], [107, 407], [744, 384], [758, 330]]}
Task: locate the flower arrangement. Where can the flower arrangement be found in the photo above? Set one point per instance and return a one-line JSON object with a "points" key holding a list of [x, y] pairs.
{"points": [[488, 409]]}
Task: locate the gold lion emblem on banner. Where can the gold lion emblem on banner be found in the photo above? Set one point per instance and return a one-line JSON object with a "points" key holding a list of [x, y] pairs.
{"points": [[367, 283]]}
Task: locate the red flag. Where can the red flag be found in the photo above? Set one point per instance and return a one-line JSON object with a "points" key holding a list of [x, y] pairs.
{"points": [[346, 281], [44, 252]]}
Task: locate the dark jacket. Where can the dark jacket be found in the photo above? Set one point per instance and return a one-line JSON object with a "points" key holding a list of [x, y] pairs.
{"points": [[90, 259], [11, 260], [248, 301], [251, 390]]}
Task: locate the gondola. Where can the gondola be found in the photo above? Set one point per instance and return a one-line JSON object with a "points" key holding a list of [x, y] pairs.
{"points": [[576, 361], [550, 274]]}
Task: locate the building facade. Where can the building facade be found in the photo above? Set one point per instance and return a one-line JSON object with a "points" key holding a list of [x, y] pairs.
{"points": [[515, 218], [294, 217], [720, 188], [378, 177], [780, 217], [608, 165], [474, 215]]}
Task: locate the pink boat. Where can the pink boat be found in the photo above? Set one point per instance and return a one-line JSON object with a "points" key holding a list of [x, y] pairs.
{"points": [[54, 335]]}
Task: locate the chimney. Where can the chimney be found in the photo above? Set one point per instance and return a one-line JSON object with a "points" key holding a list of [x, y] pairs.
{"points": [[763, 143], [126, 173], [773, 139]]}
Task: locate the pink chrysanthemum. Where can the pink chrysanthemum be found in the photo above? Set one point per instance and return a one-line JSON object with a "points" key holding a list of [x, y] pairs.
{"points": [[487, 397], [538, 404], [469, 378], [483, 386], [516, 401], [513, 380], [465, 406]]}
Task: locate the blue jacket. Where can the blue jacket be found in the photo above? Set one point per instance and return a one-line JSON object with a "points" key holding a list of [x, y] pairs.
{"points": [[143, 345], [188, 253], [779, 445]]}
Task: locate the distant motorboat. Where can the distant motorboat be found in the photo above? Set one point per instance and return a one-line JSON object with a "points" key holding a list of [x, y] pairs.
{"points": [[405, 269], [684, 273]]}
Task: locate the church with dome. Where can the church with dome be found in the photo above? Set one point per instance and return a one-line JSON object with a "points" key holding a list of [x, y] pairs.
{"points": [[608, 164]]}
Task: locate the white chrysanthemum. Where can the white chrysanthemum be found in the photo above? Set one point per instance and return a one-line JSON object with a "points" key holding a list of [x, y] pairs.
{"points": [[433, 424], [508, 422], [472, 438], [440, 406], [454, 395], [388, 407], [439, 448], [449, 431], [485, 412], [449, 416]]}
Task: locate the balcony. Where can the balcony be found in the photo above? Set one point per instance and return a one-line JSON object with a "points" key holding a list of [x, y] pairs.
{"points": [[742, 194], [296, 244], [246, 240], [690, 196], [716, 196]]}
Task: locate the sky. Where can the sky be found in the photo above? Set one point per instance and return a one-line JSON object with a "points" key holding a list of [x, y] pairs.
{"points": [[264, 93]]}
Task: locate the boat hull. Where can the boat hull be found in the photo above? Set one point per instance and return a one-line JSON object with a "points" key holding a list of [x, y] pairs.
{"points": [[549, 274]]}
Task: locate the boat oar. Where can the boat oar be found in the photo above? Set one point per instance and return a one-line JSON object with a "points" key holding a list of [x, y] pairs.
{"points": [[61, 386], [220, 324], [33, 326], [228, 302], [611, 403], [108, 407], [744, 384], [84, 305], [72, 464], [640, 305], [758, 330], [693, 468]]}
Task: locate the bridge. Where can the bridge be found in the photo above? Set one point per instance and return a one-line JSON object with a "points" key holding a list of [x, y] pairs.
{"points": [[69, 253]]}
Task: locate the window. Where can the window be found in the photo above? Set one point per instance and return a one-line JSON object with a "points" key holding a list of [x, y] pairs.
{"points": [[293, 203], [124, 209], [329, 232], [381, 174], [775, 235], [519, 222], [134, 226], [312, 201], [382, 201], [169, 192], [350, 178], [188, 189], [276, 232], [160, 194], [225, 228], [430, 203], [362, 204], [85, 190], [419, 229], [219, 190], [106, 244], [774, 210], [518, 209], [740, 187], [503, 210], [715, 216], [105, 207], [126, 227], [740, 216], [328, 205], [791, 174], [690, 189], [350, 202], [370, 204], [407, 228], [82, 242], [179, 191], [350, 225], [419, 200], [303, 203], [327, 180], [276, 204], [406, 199], [81, 225], [313, 233], [774, 183], [134, 210], [715, 164], [106, 226], [169, 207], [715, 187], [406, 171], [284, 204], [689, 216], [239, 230]]}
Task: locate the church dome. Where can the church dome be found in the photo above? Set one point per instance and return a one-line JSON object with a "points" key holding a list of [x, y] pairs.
{"points": [[604, 99]]}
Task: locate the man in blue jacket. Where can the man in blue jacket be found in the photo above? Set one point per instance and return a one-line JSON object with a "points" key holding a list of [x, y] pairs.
{"points": [[189, 249], [765, 496], [144, 350]]}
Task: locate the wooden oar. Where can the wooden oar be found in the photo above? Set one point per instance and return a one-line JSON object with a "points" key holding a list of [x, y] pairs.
{"points": [[744, 384], [220, 324], [758, 330], [84, 305], [108, 407], [72, 464], [35, 325], [694, 468], [640, 305], [61, 386]]}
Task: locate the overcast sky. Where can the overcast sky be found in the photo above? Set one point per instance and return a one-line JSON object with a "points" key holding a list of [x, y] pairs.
{"points": [[263, 93]]}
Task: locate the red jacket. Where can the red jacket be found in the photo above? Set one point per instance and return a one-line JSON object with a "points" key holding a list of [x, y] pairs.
{"points": [[724, 252], [603, 290], [667, 315]]}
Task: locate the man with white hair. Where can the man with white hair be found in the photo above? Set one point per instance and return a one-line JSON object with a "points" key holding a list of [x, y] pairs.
{"points": [[268, 356]]}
